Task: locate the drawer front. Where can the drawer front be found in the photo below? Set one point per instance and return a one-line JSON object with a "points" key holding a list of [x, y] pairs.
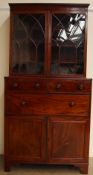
{"points": [[47, 104], [50, 85], [25, 84], [69, 86]]}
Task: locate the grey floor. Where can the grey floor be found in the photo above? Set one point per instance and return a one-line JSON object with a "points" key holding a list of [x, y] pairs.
{"points": [[43, 170]]}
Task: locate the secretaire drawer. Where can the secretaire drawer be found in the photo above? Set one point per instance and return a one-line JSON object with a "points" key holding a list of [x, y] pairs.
{"points": [[47, 104], [69, 86], [25, 84]]}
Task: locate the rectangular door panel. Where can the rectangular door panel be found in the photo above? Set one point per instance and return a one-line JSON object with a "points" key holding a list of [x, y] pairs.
{"points": [[26, 138], [67, 140]]}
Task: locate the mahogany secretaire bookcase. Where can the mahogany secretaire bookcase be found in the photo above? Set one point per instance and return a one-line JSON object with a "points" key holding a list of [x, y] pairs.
{"points": [[47, 94]]}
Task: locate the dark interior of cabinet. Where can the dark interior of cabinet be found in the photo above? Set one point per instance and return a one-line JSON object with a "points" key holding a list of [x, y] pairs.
{"points": [[28, 43], [67, 44]]}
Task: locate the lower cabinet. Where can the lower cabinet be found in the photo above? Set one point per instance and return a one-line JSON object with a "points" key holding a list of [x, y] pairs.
{"points": [[47, 125], [47, 140]]}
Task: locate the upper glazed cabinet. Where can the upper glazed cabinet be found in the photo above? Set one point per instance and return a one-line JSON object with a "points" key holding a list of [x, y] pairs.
{"points": [[48, 41]]}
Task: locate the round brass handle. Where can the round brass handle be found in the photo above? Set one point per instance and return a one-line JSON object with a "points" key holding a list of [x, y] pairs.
{"points": [[72, 103], [15, 85], [58, 86], [23, 103], [81, 87], [37, 85]]}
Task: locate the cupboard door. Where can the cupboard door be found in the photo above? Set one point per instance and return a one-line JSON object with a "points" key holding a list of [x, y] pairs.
{"points": [[26, 139], [67, 139], [67, 45], [28, 43]]}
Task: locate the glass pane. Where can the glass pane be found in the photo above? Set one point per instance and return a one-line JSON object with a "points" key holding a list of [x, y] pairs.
{"points": [[68, 43], [28, 43]]}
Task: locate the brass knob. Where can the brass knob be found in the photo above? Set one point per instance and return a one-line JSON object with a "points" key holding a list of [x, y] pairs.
{"points": [[23, 103], [81, 87], [15, 85], [58, 86], [72, 103], [37, 85]]}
